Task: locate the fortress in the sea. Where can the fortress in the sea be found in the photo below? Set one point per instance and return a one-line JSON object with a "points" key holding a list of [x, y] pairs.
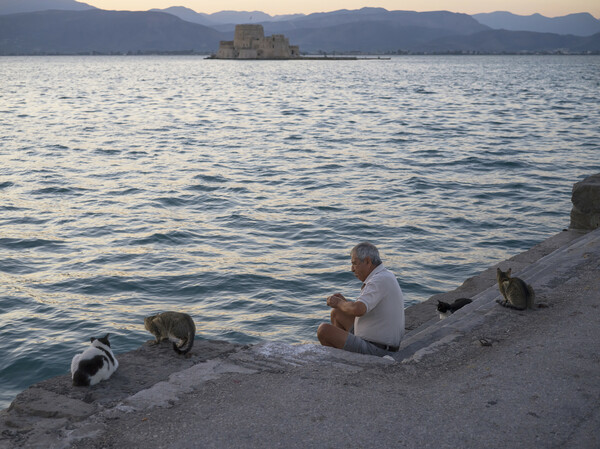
{"points": [[249, 42]]}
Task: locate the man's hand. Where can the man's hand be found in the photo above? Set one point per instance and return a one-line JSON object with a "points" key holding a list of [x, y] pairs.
{"points": [[334, 300], [354, 308]]}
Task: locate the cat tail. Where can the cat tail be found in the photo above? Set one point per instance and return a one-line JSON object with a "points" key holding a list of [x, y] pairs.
{"points": [[189, 342], [506, 303], [75, 363], [530, 297]]}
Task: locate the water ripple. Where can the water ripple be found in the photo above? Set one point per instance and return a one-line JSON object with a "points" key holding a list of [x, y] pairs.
{"points": [[237, 196]]}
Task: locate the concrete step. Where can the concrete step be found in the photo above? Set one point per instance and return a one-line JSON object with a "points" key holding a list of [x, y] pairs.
{"points": [[277, 356], [557, 267]]}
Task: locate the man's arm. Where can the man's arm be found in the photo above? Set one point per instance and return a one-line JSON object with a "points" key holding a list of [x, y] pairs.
{"points": [[353, 308]]}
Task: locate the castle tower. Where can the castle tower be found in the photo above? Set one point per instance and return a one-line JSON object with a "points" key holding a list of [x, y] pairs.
{"points": [[248, 36], [249, 42]]}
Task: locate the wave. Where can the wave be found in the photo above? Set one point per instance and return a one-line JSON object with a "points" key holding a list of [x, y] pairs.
{"points": [[17, 244], [242, 208]]}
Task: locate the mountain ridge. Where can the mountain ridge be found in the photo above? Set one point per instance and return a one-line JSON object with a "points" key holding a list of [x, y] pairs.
{"points": [[578, 24], [100, 31], [369, 30], [17, 6]]}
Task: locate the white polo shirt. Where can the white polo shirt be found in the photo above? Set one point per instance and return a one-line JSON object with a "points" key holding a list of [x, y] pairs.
{"points": [[384, 321]]}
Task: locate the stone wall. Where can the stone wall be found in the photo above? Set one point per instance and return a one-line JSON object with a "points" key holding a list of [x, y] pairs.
{"points": [[247, 53], [275, 46], [226, 50]]}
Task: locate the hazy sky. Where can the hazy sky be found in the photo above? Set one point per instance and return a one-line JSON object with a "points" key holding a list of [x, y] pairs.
{"points": [[549, 8]]}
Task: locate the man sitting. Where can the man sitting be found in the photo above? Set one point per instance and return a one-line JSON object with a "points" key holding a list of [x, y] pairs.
{"points": [[374, 323]]}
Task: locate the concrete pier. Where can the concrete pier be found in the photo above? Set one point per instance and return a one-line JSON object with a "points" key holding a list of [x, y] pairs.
{"points": [[485, 377]]}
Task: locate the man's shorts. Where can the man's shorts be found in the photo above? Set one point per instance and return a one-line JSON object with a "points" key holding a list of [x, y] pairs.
{"points": [[357, 344]]}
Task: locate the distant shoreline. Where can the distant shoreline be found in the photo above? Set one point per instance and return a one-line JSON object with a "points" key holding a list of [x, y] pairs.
{"points": [[305, 58], [312, 58]]}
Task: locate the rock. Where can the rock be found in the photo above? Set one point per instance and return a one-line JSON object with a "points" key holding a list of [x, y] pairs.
{"points": [[138, 370], [43, 415], [585, 213], [46, 404]]}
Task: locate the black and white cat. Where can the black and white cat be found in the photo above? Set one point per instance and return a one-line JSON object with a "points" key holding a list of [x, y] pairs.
{"points": [[445, 309], [94, 364]]}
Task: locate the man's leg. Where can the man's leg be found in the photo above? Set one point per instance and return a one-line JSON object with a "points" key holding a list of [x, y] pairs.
{"points": [[335, 334], [342, 320]]}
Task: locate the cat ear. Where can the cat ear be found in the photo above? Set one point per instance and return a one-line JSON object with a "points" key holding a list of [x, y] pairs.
{"points": [[508, 271]]}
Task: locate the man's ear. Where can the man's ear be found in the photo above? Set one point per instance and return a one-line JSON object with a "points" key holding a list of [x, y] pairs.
{"points": [[368, 261]]}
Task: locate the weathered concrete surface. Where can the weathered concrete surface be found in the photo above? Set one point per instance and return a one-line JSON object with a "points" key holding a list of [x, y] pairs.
{"points": [[499, 379], [421, 313], [54, 403]]}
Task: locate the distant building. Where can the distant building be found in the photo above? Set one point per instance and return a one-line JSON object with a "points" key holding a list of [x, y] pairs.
{"points": [[249, 42]]}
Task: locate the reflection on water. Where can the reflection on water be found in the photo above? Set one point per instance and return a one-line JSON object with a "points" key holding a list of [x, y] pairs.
{"points": [[234, 190]]}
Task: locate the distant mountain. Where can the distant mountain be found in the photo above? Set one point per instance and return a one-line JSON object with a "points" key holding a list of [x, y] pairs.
{"points": [[376, 30], [581, 24], [72, 32], [452, 23], [240, 17], [225, 17], [286, 17], [503, 41], [588, 43], [455, 22], [236, 17], [189, 15], [369, 30], [364, 37], [16, 6]]}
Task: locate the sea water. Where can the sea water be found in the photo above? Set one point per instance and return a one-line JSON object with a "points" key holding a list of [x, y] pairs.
{"points": [[234, 190]]}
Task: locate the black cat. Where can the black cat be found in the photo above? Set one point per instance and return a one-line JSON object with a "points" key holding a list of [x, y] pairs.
{"points": [[446, 309]]}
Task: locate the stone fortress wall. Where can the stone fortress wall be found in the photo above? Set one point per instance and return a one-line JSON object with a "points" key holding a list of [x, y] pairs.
{"points": [[249, 42]]}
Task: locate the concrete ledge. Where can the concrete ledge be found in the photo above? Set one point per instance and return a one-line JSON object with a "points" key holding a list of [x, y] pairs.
{"points": [[45, 404], [550, 270], [155, 385], [421, 313]]}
